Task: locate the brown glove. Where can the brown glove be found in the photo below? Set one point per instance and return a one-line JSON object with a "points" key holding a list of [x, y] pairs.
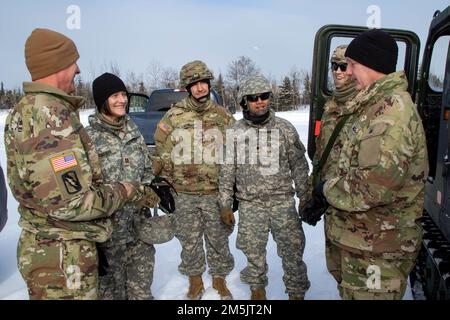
{"points": [[227, 217], [143, 195]]}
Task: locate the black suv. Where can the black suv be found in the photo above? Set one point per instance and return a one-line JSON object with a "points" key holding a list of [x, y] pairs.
{"points": [[147, 111]]}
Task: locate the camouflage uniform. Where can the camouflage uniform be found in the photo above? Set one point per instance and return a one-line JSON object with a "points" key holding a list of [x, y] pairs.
{"points": [[124, 156], [196, 181], [266, 196], [3, 200], [376, 192], [53, 173], [335, 108]]}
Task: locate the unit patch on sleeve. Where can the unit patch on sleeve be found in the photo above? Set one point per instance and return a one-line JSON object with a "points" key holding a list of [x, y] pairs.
{"points": [[71, 182]]}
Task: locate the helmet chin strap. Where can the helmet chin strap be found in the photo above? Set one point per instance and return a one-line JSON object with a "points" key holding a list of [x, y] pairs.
{"points": [[202, 99]]}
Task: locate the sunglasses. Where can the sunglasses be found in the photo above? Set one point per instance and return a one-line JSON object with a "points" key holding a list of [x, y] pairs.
{"points": [[255, 97], [342, 66]]}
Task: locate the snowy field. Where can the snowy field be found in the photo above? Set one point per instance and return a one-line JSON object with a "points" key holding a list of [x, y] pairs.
{"points": [[168, 283]]}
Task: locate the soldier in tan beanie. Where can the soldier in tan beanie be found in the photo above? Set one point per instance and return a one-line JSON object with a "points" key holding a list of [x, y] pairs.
{"points": [[54, 174]]}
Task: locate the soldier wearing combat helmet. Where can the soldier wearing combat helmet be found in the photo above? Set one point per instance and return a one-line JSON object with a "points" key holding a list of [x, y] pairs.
{"points": [[197, 215], [265, 192]]}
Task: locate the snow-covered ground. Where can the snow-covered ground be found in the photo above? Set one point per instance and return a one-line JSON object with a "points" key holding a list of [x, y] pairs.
{"points": [[168, 283]]}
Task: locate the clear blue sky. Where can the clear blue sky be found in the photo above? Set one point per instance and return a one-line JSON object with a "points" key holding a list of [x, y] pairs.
{"points": [[277, 35]]}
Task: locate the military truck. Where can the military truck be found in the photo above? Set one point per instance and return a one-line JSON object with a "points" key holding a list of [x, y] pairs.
{"points": [[429, 86]]}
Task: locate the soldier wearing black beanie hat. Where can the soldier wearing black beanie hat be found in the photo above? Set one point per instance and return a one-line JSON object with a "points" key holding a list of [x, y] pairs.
{"points": [[105, 86], [375, 49]]}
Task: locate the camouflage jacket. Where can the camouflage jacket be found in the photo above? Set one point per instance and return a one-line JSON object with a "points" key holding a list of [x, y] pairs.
{"points": [[332, 114], [280, 159], [53, 170], [201, 135], [3, 200], [123, 156], [376, 189]]}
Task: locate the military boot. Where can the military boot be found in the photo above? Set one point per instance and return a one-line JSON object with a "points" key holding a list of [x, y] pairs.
{"points": [[259, 294], [220, 285], [296, 297], [196, 288]]}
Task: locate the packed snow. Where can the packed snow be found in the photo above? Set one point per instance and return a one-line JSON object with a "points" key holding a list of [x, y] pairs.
{"points": [[168, 283]]}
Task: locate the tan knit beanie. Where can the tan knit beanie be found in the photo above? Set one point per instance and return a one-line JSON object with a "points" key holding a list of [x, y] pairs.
{"points": [[47, 52]]}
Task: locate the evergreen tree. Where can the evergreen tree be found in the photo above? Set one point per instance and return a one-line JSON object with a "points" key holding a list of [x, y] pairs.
{"points": [[285, 95]]}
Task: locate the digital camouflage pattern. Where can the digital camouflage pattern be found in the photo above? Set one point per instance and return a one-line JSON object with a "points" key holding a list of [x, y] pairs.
{"points": [[252, 85], [191, 178], [281, 218], [130, 272], [193, 72], [266, 203], [198, 216], [58, 269], [124, 156], [376, 188], [53, 171], [258, 182]]}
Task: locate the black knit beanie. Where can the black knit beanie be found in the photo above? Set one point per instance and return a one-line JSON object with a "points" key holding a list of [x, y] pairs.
{"points": [[105, 86], [375, 49]]}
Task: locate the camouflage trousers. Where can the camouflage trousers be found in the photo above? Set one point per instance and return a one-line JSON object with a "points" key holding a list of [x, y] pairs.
{"points": [[130, 272], [367, 277], [55, 269], [281, 219], [198, 217]]}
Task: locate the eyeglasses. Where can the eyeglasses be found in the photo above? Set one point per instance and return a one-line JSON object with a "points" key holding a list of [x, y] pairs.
{"points": [[342, 66], [255, 97]]}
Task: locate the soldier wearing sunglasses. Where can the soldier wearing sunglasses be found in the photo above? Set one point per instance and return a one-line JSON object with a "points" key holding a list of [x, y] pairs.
{"points": [[266, 197]]}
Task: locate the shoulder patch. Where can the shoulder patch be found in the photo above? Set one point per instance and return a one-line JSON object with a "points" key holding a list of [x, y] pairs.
{"points": [[63, 162], [164, 127]]}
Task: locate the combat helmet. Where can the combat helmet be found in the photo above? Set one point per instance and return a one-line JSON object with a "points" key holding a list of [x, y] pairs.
{"points": [[253, 85], [194, 71], [338, 55]]}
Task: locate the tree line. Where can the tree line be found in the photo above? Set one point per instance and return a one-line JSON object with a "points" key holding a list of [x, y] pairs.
{"points": [[290, 93]]}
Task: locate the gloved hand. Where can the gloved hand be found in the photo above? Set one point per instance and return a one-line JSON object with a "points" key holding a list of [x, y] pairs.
{"points": [[163, 188], [227, 216], [143, 195], [312, 211]]}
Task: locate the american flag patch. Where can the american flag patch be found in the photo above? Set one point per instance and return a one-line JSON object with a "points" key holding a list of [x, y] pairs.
{"points": [[164, 127], [63, 162]]}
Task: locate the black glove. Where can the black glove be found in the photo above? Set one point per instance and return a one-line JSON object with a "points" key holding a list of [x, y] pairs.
{"points": [[314, 209], [163, 188], [103, 264], [235, 206]]}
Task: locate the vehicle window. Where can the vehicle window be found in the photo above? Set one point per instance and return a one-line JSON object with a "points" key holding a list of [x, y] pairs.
{"points": [[437, 64], [337, 41], [137, 104], [162, 100]]}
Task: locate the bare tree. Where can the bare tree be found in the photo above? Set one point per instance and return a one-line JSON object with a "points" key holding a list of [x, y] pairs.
{"points": [[169, 78], [153, 74], [237, 70]]}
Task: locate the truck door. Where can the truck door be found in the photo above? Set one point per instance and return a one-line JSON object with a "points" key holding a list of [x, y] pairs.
{"points": [[434, 105], [327, 39]]}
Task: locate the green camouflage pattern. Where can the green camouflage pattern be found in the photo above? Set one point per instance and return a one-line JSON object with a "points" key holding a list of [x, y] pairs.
{"points": [[253, 85], [362, 276], [258, 182], [338, 55], [194, 71], [124, 156], [281, 218], [55, 269], [130, 272], [54, 203], [191, 178], [197, 217], [376, 189]]}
